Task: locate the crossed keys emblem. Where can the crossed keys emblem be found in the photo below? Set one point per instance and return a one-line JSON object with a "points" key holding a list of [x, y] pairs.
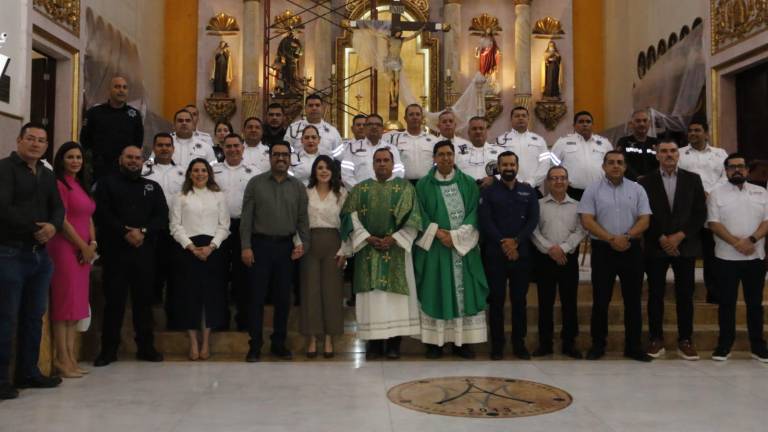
{"points": [[473, 389]]}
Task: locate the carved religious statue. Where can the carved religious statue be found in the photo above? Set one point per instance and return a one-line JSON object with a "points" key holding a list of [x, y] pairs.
{"points": [[552, 71], [394, 64], [488, 54], [222, 70], [289, 52]]}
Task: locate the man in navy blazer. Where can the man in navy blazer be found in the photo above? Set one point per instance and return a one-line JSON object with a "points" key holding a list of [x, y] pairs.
{"points": [[679, 208]]}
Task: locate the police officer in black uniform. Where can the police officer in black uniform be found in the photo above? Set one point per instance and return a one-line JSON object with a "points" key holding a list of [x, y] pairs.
{"points": [[274, 128], [639, 149], [110, 127], [130, 213]]}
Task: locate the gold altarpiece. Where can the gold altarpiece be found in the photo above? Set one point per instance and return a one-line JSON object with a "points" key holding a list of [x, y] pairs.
{"points": [[420, 57]]}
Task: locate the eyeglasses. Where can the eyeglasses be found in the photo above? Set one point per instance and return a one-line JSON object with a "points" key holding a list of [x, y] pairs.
{"points": [[558, 178], [281, 155]]}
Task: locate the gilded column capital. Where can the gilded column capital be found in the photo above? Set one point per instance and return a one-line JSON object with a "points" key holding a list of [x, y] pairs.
{"points": [[523, 2]]}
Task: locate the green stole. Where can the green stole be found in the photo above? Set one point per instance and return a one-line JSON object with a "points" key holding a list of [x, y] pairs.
{"points": [[383, 208], [434, 268]]}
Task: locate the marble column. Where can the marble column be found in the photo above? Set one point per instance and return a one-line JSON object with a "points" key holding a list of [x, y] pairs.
{"points": [[253, 43], [452, 48], [523, 53], [324, 47]]}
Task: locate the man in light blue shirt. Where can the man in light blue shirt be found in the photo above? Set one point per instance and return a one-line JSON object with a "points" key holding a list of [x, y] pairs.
{"points": [[615, 211]]}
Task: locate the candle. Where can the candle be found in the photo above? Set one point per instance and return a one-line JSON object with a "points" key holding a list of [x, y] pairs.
{"points": [[333, 69], [447, 73]]}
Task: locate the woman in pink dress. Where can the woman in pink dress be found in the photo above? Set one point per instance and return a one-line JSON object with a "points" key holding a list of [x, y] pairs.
{"points": [[72, 251]]}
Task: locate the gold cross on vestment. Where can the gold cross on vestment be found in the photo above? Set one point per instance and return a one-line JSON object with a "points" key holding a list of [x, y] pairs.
{"points": [[364, 188], [363, 211], [396, 188], [386, 257]]}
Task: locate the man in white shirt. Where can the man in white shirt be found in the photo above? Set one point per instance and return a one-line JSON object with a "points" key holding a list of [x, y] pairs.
{"points": [[557, 238], [446, 124], [356, 164], [531, 148], [232, 176], [414, 144], [478, 160], [205, 136], [255, 153], [330, 140], [701, 158], [170, 177], [738, 216], [581, 153], [187, 146]]}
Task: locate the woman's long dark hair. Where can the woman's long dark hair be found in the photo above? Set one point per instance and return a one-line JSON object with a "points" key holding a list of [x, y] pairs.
{"points": [[335, 174], [60, 171], [225, 123], [211, 184]]}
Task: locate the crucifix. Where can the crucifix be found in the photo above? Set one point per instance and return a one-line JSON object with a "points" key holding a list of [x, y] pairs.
{"points": [[395, 39]]}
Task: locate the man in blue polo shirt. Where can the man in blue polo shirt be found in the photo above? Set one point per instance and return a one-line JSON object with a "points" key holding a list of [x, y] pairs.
{"points": [[509, 212], [615, 211]]}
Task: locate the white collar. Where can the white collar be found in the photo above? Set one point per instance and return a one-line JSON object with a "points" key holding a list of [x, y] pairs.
{"points": [[449, 177]]}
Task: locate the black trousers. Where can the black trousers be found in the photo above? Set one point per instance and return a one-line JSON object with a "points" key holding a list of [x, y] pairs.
{"points": [[272, 272], [551, 278], [751, 274], [628, 266], [710, 265], [204, 298], [128, 271], [499, 271], [683, 268], [164, 250], [236, 274]]}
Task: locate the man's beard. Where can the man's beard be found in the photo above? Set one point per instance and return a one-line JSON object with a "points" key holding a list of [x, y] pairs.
{"points": [[131, 175], [737, 180], [508, 175]]}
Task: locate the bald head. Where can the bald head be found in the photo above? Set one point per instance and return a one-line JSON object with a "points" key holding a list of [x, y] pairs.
{"points": [[118, 91]]}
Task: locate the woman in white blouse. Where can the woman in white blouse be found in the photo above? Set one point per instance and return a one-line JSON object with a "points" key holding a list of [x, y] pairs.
{"points": [[200, 223], [304, 158], [322, 277]]}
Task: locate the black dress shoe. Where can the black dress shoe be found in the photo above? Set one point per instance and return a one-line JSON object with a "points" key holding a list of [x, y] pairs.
{"points": [[281, 352], [311, 354], [253, 356], [7, 391], [522, 353], [497, 355], [464, 351], [329, 355], [104, 359], [374, 349], [39, 381], [640, 356], [393, 353], [595, 353], [572, 352], [150, 355], [433, 352], [542, 351]]}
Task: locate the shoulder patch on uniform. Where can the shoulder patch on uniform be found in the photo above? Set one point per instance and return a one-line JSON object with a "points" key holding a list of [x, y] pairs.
{"points": [[534, 137], [132, 112], [570, 143]]}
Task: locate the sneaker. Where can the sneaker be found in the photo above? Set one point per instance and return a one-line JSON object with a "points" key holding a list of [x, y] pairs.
{"points": [[656, 349], [760, 354], [686, 351], [721, 354]]}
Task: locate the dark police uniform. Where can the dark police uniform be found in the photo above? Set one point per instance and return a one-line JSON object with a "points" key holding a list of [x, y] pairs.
{"points": [[640, 156], [138, 203], [106, 132], [507, 213]]}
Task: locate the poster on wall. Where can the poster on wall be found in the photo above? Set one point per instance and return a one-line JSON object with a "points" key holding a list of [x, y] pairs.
{"points": [[13, 40]]}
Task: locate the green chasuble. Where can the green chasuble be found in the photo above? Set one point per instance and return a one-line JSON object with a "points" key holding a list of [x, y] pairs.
{"points": [[383, 208], [450, 286]]}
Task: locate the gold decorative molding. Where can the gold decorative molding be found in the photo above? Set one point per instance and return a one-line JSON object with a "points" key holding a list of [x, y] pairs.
{"points": [[66, 13], [287, 22], [734, 21], [421, 6], [222, 24], [523, 2], [220, 109], [550, 113], [485, 25], [549, 28]]}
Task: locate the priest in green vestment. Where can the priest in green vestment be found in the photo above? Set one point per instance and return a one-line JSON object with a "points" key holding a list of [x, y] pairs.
{"points": [[449, 271], [381, 218]]}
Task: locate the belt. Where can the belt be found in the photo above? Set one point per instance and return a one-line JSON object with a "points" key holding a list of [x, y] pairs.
{"points": [[273, 238], [23, 246]]}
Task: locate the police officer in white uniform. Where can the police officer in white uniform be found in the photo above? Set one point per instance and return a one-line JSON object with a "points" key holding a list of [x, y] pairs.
{"points": [[187, 146], [170, 177], [302, 160], [529, 147], [701, 158], [330, 140], [581, 153], [737, 213], [446, 124], [256, 153], [358, 131], [232, 175], [478, 160], [357, 162], [414, 144], [205, 136]]}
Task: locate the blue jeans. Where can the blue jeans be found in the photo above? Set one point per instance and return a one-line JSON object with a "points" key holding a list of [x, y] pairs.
{"points": [[25, 277]]}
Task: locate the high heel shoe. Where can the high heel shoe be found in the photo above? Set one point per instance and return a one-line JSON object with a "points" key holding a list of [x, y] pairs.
{"points": [[311, 354], [205, 355], [194, 355]]}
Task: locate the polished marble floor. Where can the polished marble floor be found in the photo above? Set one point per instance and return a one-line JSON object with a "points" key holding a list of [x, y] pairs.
{"points": [[350, 395]]}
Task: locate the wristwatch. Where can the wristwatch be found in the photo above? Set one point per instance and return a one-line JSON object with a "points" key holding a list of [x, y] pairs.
{"points": [[753, 239]]}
